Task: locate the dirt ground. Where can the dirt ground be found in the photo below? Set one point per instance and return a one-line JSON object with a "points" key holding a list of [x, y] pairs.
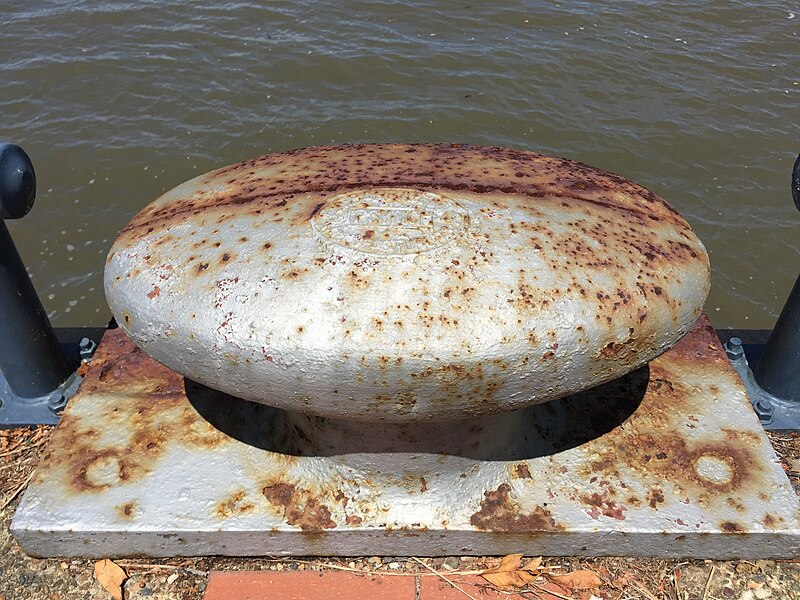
{"points": [[168, 579]]}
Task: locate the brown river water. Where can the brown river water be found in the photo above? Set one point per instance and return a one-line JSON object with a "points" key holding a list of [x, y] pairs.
{"points": [[119, 101]]}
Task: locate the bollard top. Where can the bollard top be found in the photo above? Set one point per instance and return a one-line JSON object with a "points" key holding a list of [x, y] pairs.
{"points": [[17, 182], [406, 283]]}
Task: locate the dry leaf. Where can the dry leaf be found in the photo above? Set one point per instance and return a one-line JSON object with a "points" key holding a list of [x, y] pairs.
{"points": [[577, 580], [509, 563], [533, 565], [509, 574], [110, 575], [624, 580], [511, 579]]}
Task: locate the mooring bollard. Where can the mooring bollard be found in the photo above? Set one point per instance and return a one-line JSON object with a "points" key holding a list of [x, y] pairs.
{"points": [[371, 349], [33, 369]]}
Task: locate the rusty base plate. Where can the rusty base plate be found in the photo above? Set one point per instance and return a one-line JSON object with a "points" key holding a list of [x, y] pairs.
{"points": [[668, 461]]}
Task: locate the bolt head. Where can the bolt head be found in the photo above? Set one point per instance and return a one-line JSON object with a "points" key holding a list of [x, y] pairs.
{"points": [[734, 348], [57, 402]]}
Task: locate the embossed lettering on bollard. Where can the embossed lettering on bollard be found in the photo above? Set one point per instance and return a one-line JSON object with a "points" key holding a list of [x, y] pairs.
{"points": [[393, 221]]}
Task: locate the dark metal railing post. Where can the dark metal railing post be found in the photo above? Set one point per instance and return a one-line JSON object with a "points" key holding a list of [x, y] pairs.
{"points": [[774, 383], [778, 371], [31, 360]]}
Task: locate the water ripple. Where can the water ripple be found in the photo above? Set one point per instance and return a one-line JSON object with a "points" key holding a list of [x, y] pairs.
{"points": [[117, 101]]}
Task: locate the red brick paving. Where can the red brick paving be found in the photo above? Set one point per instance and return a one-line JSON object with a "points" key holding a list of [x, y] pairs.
{"points": [[306, 585], [339, 585]]}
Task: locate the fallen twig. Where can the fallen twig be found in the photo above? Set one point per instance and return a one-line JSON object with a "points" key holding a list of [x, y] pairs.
{"points": [[156, 567], [12, 449], [20, 447], [432, 570], [708, 582], [370, 571], [552, 592], [640, 586], [775, 438], [16, 492]]}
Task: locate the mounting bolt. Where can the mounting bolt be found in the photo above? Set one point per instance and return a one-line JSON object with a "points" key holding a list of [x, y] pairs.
{"points": [[764, 410], [57, 401], [87, 348], [734, 349]]}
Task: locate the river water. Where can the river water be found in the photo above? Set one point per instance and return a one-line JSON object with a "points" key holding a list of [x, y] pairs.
{"points": [[119, 101]]}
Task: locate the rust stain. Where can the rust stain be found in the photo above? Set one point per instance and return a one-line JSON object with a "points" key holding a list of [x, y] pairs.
{"points": [[412, 483], [293, 273], [668, 456], [655, 497], [603, 504], [502, 514], [126, 511], [89, 467], [119, 366], [522, 471], [236, 504], [316, 209], [456, 167], [772, 522], [731, 527], [652, 443], [299, 507], [155, 292], [157, 410], [614, 349], [196, 431], [354, 520], [703, 346]]}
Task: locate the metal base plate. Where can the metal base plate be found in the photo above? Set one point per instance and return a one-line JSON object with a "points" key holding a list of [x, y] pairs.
{"points": [[668, 461], [18, 411], [775, 414]]}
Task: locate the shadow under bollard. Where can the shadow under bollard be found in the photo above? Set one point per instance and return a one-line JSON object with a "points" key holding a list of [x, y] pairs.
{"points": [[535, 431]]}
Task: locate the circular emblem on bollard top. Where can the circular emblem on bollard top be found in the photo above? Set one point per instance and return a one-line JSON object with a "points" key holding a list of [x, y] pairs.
{"points": [[392, 221]]}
